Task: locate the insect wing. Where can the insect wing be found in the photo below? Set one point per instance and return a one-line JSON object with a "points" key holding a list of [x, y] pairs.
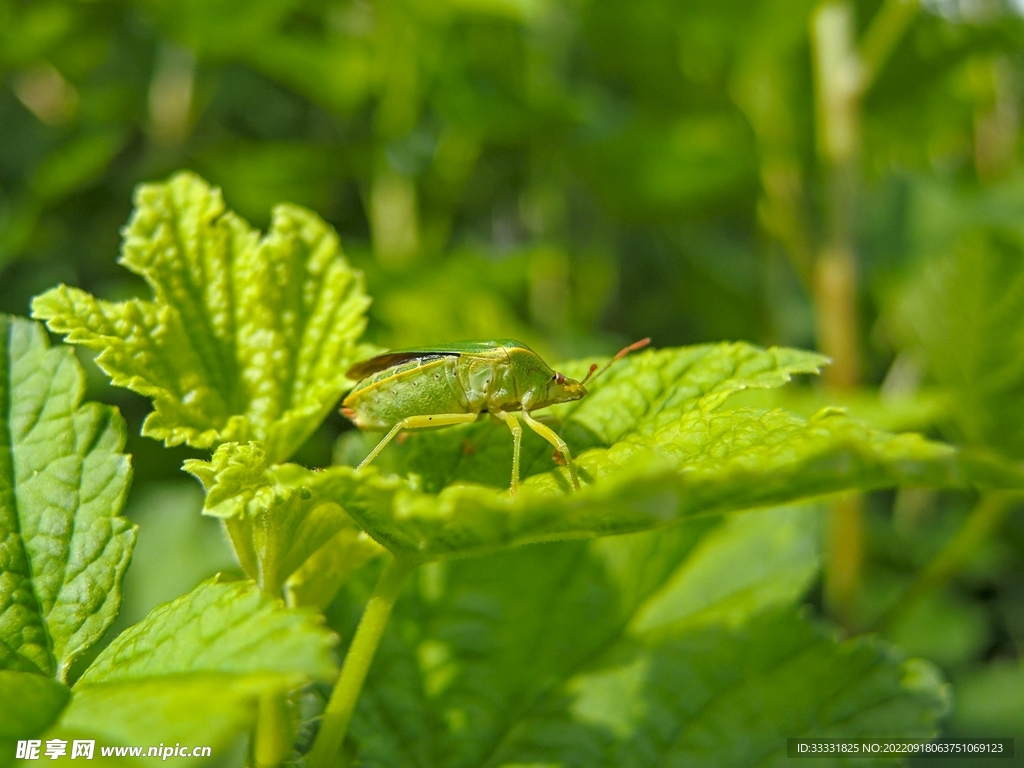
{"points": [[380, 362]]}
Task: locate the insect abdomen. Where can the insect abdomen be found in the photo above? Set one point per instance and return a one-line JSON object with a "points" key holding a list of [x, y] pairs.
{"points": [[422, 386]]}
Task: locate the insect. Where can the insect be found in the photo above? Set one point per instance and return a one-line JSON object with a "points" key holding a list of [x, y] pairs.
{"points": [[458, 384]]}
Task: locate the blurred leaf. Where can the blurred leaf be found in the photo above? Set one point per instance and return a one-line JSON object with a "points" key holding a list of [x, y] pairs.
{"points": [[65, 547], [246, 337], [942, 628], [480, 299], [751, 562], [256, 175], [210, 709], [27, 31], [652, 168], [177, 547], [278, 527], [75, 164], [550, 655], [666, 451], [219, 28], [990, 700], [966, 312], [338, 76], [28, 705]]}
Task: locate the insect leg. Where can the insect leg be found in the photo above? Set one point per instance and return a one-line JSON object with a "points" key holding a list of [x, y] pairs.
{"points": [[419, 422], [549, 434], [517, 439]]}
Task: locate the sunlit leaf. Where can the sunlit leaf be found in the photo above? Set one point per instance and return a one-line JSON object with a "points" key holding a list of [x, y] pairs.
{"points": [[64, 547], [665, 450], [195, 671], [247, 337], [219, 627]]}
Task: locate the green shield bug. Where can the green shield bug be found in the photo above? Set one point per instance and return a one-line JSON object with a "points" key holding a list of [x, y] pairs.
{"points": [[459, 383]]}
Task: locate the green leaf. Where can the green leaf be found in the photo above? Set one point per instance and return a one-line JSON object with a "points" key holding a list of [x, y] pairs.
{"points": [[199, 665], [219, 627], [965, 312], [209, 709], [28, 705], [63, 546], [319, 578], [246, 337], [752, 561], [722, 697], [990, 700], [609, 653], [286, 537], [661, 449], [177, 547], [195, 670]]}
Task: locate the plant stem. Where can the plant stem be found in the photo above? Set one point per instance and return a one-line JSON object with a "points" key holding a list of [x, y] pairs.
{"points": [[837, 95], [845, 555], [981, 523], [273, 732], [338, 713]]}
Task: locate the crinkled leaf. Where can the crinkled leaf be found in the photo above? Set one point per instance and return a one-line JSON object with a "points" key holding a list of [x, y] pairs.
{"points": [[63, 546], [661, 449], [247, 337], [219, 627], [608, 654], [279, 527], [29, 703]]}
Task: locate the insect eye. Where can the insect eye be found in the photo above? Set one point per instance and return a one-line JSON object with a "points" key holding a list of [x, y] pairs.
{"points": [[559, 378]]}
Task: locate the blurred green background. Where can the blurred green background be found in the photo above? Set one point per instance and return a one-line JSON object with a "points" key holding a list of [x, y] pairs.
{"points": [[579, 174]]}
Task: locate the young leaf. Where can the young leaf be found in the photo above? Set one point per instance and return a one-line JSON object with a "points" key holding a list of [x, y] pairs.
{"points": [[246, 337], [664, 450], [63, 546], [284, 535], [29, 703], [605, 653]]}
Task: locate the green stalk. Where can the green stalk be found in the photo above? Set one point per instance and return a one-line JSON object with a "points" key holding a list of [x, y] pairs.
{"points": [[273, 740], [834, 286], [843, 73], [338, 713]]}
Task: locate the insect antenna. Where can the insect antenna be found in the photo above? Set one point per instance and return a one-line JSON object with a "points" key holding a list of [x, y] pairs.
{"points": [[622, 353]]}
